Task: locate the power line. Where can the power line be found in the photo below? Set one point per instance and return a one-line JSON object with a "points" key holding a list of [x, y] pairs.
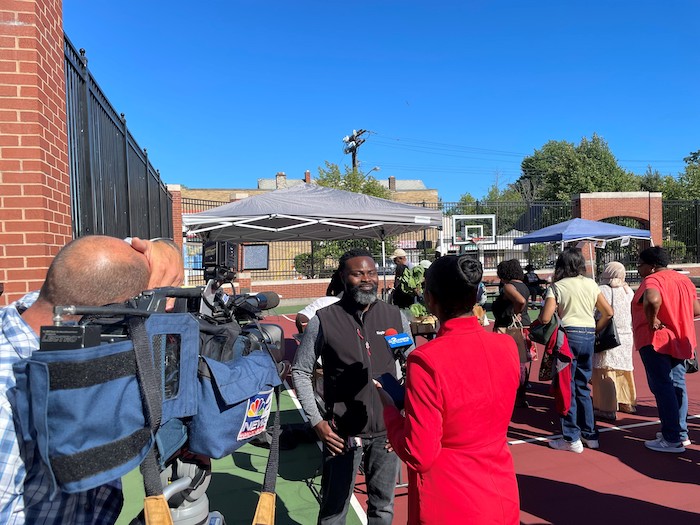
{"points": [[437, 147]]}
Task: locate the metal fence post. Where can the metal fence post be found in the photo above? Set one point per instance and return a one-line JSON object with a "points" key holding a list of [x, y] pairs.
{"points": [[89, 211], [148, 194], [312, 259], [425, 238], [696, 204], [127, 179]]}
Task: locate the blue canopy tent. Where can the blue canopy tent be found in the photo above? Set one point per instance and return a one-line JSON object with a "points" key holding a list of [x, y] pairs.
{"points": [[583, 230]]}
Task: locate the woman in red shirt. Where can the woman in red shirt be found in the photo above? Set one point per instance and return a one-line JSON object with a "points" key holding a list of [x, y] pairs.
{"points": [[460, 392], [664, 333]]}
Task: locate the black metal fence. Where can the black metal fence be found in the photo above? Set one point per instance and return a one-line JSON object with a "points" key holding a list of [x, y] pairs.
{"points": [[681, 234], [299, 260], [114, 188]]}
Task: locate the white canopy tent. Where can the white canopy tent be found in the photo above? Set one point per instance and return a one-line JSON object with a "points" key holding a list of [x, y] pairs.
{"points": [[308, 212]]}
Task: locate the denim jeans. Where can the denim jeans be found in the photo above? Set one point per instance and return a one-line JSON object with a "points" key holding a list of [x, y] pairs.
{"points": [[338, 482], [579, 422], [666, 377]]}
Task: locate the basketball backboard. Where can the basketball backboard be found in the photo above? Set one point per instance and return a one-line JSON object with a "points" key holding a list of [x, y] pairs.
{"points": [[474, 229]]}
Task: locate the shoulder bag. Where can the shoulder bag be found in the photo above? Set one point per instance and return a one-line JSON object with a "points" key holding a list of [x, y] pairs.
{"points": [[542, 333], [608, 337], [515, 330]]}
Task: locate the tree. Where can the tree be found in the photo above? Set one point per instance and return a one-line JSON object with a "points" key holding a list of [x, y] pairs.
{"points": [[689, 180], [351, 180], [652, 181], [692, 158], [323, 259], [561, 169]]}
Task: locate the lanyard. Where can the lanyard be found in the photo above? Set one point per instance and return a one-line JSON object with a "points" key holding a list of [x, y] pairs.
{"points": [[359, 334]]}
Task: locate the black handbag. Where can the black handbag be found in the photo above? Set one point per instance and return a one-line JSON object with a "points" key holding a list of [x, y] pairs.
{"points": [[608, 337], [541, 333], [691, 365]]}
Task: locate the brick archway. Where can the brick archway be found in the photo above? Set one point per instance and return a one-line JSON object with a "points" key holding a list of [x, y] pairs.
{"points": [[641, 205]]}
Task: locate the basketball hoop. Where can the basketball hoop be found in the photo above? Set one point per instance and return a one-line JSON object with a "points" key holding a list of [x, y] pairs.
{"points": [[472, 243], [476, 240]]}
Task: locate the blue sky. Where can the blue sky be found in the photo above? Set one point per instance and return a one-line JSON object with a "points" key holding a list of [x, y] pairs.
{"points": [[455, 93]]}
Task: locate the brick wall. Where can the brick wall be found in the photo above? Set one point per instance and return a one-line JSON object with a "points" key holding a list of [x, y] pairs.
{"points": [[214, 194], [35, 218], [643, 206], [228, 195], [415, 196], [175, 191], [294, 291]]}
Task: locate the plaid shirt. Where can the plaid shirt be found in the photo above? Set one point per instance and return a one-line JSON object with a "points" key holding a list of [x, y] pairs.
{"points": [[24, 482]]}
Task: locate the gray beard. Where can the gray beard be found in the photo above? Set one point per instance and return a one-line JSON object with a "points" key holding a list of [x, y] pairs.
{"points": [[363, 298]]}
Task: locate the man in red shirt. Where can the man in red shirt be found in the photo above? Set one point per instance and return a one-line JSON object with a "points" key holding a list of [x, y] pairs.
{"points": [[664, 333]]}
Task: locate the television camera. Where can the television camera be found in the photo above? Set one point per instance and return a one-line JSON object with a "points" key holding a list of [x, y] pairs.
{"points": [[229, 327]]}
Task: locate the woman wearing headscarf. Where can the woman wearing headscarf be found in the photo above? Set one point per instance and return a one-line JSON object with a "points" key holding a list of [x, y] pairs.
{"points": [[613, 379], [453, 434]]}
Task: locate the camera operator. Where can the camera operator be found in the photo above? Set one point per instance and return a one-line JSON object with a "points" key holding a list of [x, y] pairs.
{"points": [[349, 336], [165, 262], [91, 271]]}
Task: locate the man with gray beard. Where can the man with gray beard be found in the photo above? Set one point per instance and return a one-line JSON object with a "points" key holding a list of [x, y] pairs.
{"points": [[349, 338]]}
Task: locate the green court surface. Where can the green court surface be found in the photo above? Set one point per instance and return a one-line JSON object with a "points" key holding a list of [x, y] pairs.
{"points": [[236, 482]]}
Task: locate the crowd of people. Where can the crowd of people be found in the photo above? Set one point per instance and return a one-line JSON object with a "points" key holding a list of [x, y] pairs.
{"points": [[458, 473], [464, 473]]}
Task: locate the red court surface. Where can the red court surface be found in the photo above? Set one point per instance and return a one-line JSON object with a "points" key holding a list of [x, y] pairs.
{"points": [[622, 482]]}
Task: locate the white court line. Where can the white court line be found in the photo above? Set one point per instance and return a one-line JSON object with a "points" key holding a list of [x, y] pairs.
{"points": [[600, 431], [354, 502]]}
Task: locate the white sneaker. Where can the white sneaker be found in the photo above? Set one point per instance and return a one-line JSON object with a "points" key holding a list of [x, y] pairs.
{"points": [[591, 443], [661, 445], [685, 442], [571, 446]]}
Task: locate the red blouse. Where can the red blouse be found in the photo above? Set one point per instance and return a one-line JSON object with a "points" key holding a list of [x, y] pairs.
{"points": [[678, 294], [460, 394]]}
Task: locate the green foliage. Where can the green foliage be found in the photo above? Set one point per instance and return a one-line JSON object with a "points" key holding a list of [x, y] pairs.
{"points": [[676, 250], [323, 259], [311, 265], [467, 199], [693, 157], [351, 180], [689, 182], [561, 169], [653, 181]]}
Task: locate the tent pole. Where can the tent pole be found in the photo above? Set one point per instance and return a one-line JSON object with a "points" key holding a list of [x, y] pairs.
{"points": [[590, 253], [384, 261]]}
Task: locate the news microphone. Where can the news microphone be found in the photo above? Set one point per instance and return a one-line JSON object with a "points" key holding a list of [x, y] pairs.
{"points": [[265, 300], [259, 300], [398, 343]]}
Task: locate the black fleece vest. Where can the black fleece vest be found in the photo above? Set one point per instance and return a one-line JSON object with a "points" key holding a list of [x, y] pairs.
{"points": [[354, 352]]}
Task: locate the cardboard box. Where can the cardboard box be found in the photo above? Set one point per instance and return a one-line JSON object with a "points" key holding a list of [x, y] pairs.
{"points": [[424, 325]]}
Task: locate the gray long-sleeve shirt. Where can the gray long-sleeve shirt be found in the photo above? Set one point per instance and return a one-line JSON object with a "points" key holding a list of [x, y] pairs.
{"points": [[305, 362]]}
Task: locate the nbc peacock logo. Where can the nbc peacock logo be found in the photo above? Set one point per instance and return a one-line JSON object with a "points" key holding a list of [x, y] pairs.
{"points": [[256, 415], [256, 408]]}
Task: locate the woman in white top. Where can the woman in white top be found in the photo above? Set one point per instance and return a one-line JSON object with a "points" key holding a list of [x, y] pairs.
{"points": [[613, 380], [576, 299]]}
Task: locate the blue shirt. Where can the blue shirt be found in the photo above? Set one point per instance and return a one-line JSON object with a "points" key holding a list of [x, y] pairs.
{"points": [[24, 483]]}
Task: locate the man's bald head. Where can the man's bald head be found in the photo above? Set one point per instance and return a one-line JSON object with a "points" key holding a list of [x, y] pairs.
{"points": [[94, 271]]}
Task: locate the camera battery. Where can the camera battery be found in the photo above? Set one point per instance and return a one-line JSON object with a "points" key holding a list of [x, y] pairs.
{"points": [[69, 337]]}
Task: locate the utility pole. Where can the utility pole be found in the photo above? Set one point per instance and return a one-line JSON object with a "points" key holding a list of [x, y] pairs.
{"points": [[352, 144]]}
